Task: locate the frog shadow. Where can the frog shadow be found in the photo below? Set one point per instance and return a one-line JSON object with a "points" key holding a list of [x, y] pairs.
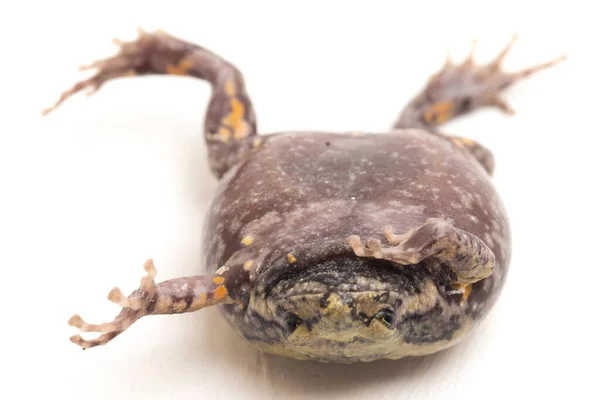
{"points": [[220, 343]]}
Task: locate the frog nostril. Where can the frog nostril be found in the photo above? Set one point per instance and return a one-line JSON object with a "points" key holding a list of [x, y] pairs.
{"points": [[292, 321], [324, 301]]}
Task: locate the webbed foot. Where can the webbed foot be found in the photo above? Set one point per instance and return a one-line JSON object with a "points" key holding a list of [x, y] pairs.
{"points": [[230, 122], [132, 59], [175, 296], [134, 308], [460, 88]]}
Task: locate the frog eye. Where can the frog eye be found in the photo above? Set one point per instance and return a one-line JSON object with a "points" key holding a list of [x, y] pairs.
{"points": [[292, 321], [386, 317]]}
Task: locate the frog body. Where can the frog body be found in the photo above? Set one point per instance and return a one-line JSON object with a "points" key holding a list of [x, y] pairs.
{"points": [[305, 193], [336, 247]]}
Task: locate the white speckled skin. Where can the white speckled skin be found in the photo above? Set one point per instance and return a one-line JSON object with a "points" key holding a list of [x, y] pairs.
{"points": [[305, 193], [283, 245]]}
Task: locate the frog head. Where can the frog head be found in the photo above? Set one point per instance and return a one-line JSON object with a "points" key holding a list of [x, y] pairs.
{"points": [[346, 309]]}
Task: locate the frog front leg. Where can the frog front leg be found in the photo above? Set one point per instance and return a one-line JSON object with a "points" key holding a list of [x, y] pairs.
{"points": [[230, 123], [175, 296], [464, 253], [458, 89]]}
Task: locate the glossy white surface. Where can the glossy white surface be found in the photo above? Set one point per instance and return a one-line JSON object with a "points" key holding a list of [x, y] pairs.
{"points": [[106, 182]]}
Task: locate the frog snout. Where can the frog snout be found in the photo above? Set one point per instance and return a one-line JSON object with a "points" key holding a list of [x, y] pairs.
{"points": [[334, 308]]}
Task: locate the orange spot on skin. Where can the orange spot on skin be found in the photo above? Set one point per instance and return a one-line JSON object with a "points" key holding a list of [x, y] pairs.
{"points": [[457, 142], [247, 240], [202, 298], [180, 69], [220, 292], [235, 119], [256, 143], [462, 142], [130, 73], [465, 289], [248, 265], [224, 134], [439, 112], [229, 88], [218, 280], [291, 258]]}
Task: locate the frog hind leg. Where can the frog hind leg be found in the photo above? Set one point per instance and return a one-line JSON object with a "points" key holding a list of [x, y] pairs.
{"points": [[457, 89], [175, 296], [230, 123], [469, 258]]}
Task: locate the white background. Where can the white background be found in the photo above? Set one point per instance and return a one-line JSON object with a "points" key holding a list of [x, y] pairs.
{"points": [[102, 184]]}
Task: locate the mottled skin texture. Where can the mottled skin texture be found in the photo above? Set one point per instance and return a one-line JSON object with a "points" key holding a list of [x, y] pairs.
{"points": [[352, 185], [335, 247]]}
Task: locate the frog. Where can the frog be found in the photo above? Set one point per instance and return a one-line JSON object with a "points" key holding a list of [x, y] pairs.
{"points": [[338, 247]]}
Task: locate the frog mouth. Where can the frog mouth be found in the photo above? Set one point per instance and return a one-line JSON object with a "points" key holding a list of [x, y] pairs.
{"points": [[329, 267]]}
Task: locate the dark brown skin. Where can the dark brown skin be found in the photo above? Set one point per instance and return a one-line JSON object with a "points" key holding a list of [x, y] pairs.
{"points": [[334, 247]]}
